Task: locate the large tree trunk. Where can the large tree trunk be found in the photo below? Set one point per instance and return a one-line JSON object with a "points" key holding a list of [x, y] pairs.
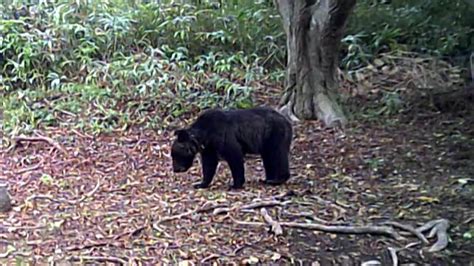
{"points": [[314, 31]]}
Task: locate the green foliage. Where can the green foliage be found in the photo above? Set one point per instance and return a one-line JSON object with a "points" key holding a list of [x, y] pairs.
{"points": [[103, 65], [250, 27], [441, 27]]}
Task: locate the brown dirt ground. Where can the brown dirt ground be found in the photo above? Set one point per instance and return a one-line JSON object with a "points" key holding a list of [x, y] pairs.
{"points": [[97, 200]]}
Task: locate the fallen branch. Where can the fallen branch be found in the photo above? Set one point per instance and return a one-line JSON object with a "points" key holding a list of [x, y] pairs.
{"points": [[100, 259], [275, 226], [37, 138]]}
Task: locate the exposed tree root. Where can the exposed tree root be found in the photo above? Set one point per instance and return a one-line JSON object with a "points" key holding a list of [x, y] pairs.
{"points": [[345, 229], [383, 230], [438, 228], [409, 229], [275, 226]]}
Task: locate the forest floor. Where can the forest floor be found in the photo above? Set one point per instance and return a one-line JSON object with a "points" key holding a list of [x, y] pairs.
{"points": [[113, 198]]}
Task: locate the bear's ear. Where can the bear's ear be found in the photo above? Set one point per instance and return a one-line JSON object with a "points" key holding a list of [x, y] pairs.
{"points": [[182, 134]]}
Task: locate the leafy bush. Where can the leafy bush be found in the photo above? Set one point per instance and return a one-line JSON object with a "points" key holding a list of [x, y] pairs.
{"points": [[100, 67], [105, 64], [440, 27]]}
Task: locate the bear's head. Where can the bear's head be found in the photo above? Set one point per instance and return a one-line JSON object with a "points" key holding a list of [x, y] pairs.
{"points": [[183, 150]]}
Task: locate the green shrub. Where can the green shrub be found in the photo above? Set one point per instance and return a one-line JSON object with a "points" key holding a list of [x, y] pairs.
{"points": [[440, 27], [106, 64]]}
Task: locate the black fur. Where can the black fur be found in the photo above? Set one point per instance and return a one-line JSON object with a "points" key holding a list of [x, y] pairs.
{"points": [[230, 135]]}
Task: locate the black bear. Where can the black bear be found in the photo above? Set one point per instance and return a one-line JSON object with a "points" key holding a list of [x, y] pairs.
{"points": [[230, 135]]}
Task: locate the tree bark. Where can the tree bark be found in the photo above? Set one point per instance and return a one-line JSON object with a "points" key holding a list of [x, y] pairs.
{"points": [[314, 30]]}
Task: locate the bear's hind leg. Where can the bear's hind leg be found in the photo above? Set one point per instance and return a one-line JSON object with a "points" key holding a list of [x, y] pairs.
{"points": [[276, 167], [235, 160], [275, 158]]}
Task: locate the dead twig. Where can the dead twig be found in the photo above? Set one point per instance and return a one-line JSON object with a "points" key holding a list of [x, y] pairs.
{"points": [[92, 192], [29, 169], [177, 216], [90, 245], [393, 254], [210, 257], [255, 205], [131, 232], [6, 254], [18, 228], [99, 259], [48, 197], [14, 252], [37, 138], [83, 135], [468, 220]]}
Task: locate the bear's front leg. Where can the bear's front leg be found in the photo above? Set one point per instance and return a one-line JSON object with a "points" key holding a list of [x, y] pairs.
{"points": [[235, 160], [209, 166]]}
